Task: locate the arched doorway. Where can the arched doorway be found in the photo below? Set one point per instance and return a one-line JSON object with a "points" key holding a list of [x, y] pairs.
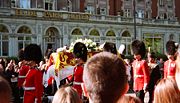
{"points": [[24, 37], [4, 40], [51, 39], [76, 34], [126, 40]]}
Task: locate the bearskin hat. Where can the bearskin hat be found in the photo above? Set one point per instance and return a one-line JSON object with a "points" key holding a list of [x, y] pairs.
{"points": [[138, 48], [21, 54], [80, 51], [171, 48], [33, 53], [110, 47]]}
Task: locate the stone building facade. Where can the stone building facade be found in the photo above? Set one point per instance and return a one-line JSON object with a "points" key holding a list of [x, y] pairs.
{"points": [[58, 27]]}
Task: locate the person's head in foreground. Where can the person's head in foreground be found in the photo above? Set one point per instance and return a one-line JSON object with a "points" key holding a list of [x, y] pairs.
{"points": [[166, 91], [177, 74], [5, 91], [105, 78], [66, 94], [129, 99]]}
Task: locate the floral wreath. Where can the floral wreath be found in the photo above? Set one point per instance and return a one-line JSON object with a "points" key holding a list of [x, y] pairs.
{"points": [[91, 45]]}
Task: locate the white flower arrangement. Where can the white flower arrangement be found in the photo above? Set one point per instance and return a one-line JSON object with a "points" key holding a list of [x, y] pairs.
{"points": [[91, 45]]}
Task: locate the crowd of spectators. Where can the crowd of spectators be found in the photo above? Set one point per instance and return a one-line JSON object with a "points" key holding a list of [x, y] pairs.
{"points": [[106, 77]]}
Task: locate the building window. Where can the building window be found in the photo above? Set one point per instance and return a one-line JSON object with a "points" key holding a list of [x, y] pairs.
{"points": [[95, 36], [127, 13], [110, 36], [52, 38], [76, 34], [103, 11], [161, 3], [25, 4], [5, 3], [4, 44], [23, 41], [169, 4], [13, 3], [126, 40], [148, 14], [140, 14], [4, 41], [154, 41], [48, 6], [24, 37], [171, 37], [170, 16], [162, 15], [90, 9]]}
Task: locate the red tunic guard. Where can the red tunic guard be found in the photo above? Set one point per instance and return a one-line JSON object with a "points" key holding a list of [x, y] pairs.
{"points": [[140, 73], [22, 75], [170, 65], [80, 53], [78, 73], [77, 78], [33, 88], [169, 69]]}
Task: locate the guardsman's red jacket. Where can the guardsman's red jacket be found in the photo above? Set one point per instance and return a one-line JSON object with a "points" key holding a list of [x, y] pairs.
{"points": [[33, 87], [22, 74], [77, 78], [140, 74], [169, 69]]}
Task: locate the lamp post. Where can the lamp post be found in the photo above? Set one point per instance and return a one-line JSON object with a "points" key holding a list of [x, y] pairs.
{"points": [[134, 14]]}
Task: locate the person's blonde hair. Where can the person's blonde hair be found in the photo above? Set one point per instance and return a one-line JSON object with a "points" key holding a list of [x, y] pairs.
{"points": [[66, 94], [5, 91], [166, 91]]}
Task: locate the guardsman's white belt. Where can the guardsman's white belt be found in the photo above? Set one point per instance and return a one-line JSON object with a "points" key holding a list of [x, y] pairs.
{"points": [[29, 88], [22, 77], [138, 76], [77, 83], [170, 76]]}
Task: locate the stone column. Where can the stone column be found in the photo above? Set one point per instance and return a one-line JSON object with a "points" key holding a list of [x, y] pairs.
{"points": [[13, 45], [65, 35]]}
